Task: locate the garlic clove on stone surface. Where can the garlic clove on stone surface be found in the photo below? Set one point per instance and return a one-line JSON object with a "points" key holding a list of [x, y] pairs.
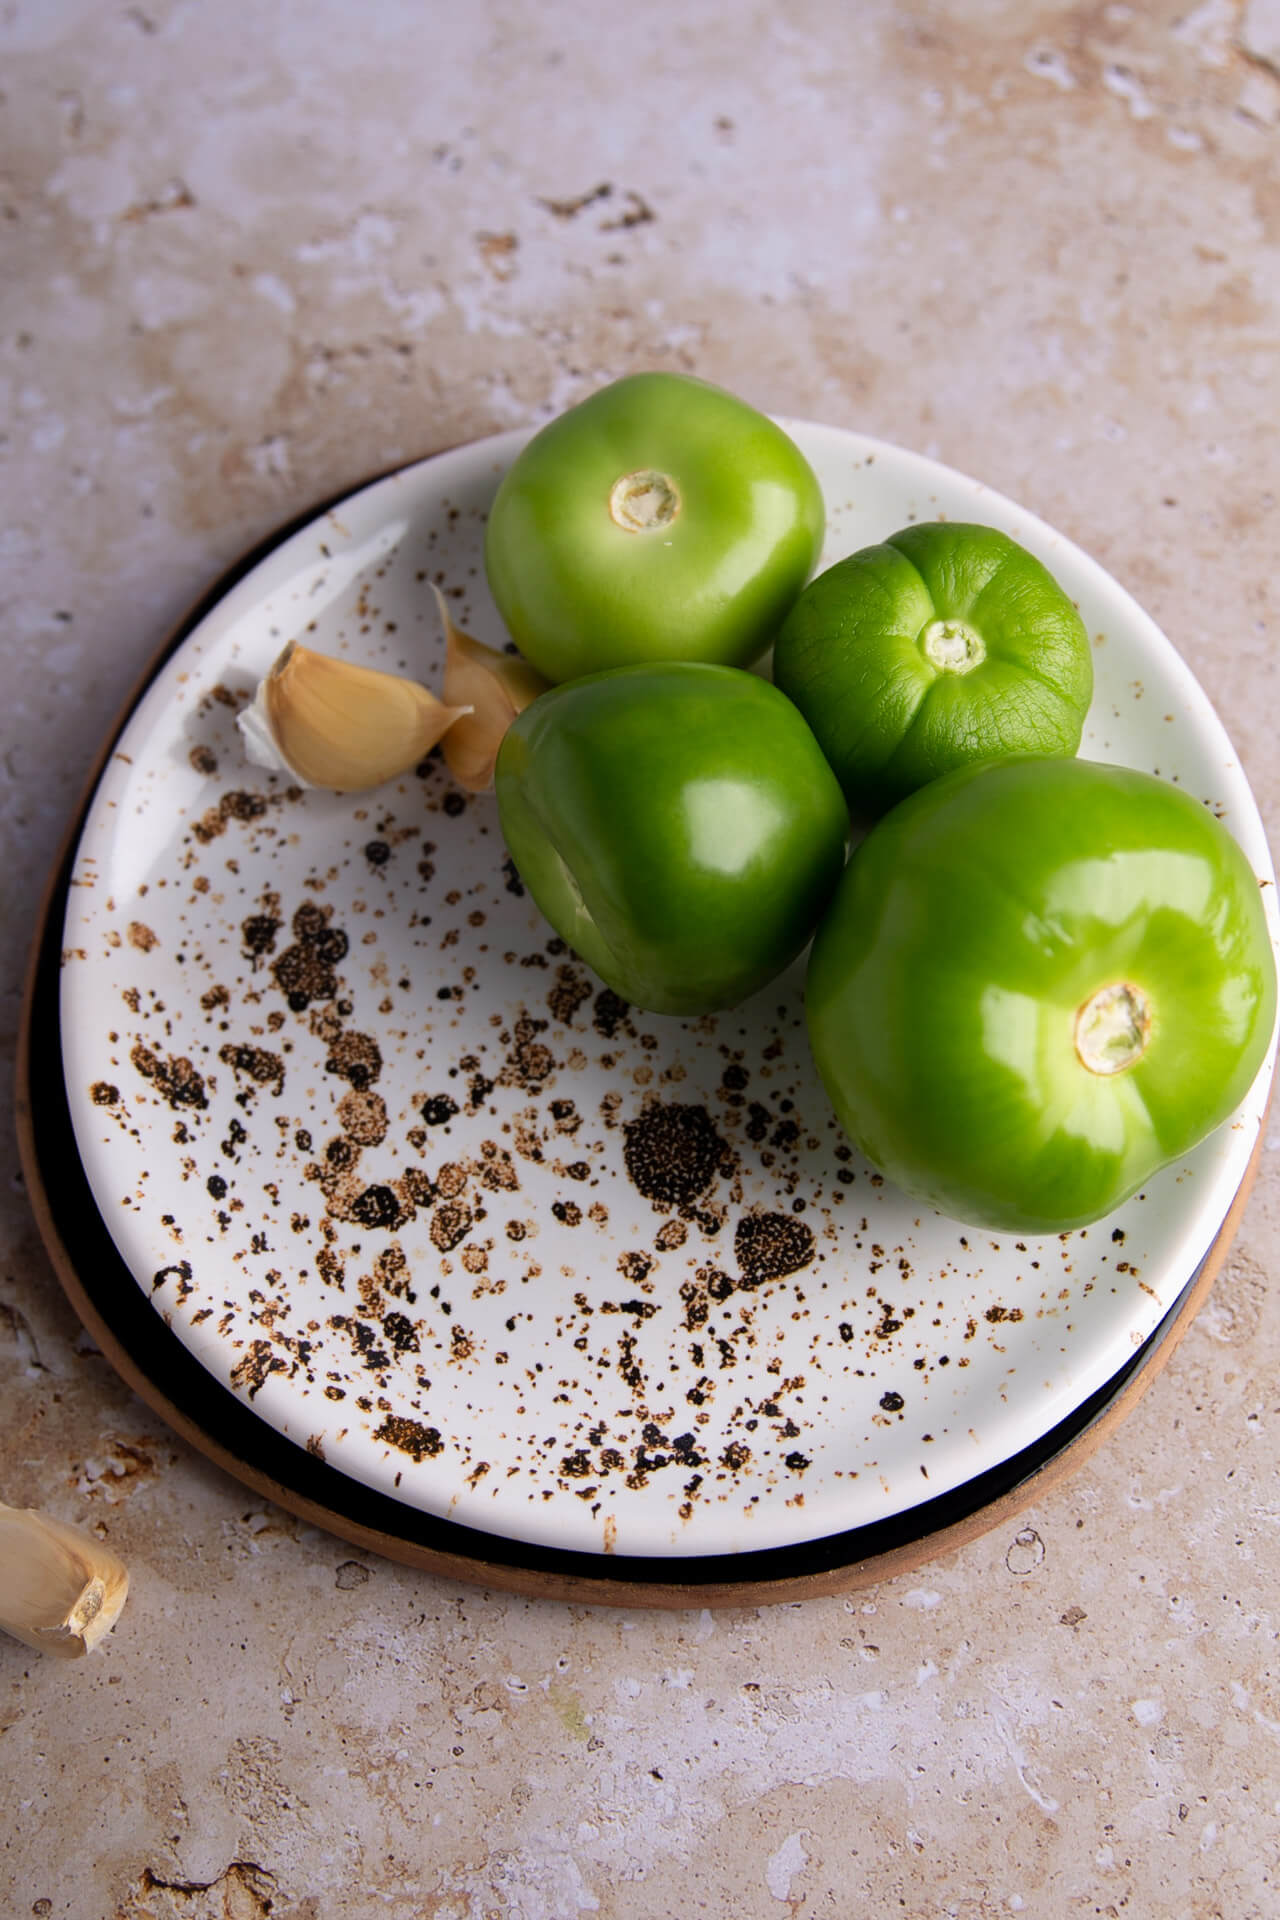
{"points": [[491, 688], [330, 723], [60, 1589]]}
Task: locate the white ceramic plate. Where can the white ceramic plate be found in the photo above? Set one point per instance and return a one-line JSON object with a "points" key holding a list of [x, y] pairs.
{"points": [[398, 1172]]}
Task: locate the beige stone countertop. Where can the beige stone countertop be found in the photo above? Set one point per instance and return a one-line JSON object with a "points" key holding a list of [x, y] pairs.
{"points": [[250, 255]]}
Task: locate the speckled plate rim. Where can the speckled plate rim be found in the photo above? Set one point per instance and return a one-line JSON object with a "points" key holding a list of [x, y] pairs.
{"points": [[157, 1366]]}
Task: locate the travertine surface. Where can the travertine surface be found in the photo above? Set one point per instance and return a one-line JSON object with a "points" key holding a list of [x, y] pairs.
{"points": [[251, 255]]}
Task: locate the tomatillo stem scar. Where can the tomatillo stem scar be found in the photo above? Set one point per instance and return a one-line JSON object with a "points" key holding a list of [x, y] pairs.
{"points": [[644, 501], [1112, 1028]]}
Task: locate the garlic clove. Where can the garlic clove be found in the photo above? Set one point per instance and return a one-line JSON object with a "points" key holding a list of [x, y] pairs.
{"points": [[491, 688], [330, 723], [60, 1590]]}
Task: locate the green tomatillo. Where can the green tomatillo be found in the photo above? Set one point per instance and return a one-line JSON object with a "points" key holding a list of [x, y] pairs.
{"points": [[677, 825], [945, 645], [1040, 981], [660, 519]]}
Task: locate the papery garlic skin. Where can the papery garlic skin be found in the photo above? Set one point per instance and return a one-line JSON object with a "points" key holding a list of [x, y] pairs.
{"points": [[492, 688], [61, 1591], [260, 745], [330, 723]]}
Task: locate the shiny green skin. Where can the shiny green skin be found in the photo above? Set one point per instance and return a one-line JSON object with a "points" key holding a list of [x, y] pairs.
{"points": [[971, 925], [851, 656], [677, 825], [580, 594]]}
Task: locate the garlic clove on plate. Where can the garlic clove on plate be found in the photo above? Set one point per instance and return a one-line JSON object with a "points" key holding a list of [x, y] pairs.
{"points": [[331, 723], [60, 1589], [491, 688]]}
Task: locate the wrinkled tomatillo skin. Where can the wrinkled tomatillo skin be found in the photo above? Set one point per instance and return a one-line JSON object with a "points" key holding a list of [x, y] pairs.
{"points": [[677, 825], [1039, 982], [661, 519], [946, 645]]}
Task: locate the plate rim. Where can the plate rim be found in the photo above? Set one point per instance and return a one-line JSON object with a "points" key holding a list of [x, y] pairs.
{"points": [[834, 1563]]}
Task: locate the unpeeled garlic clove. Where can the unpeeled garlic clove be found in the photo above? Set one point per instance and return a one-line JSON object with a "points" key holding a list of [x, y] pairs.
{"points": [[331, 723], [60, 1589], [491, 688]]}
